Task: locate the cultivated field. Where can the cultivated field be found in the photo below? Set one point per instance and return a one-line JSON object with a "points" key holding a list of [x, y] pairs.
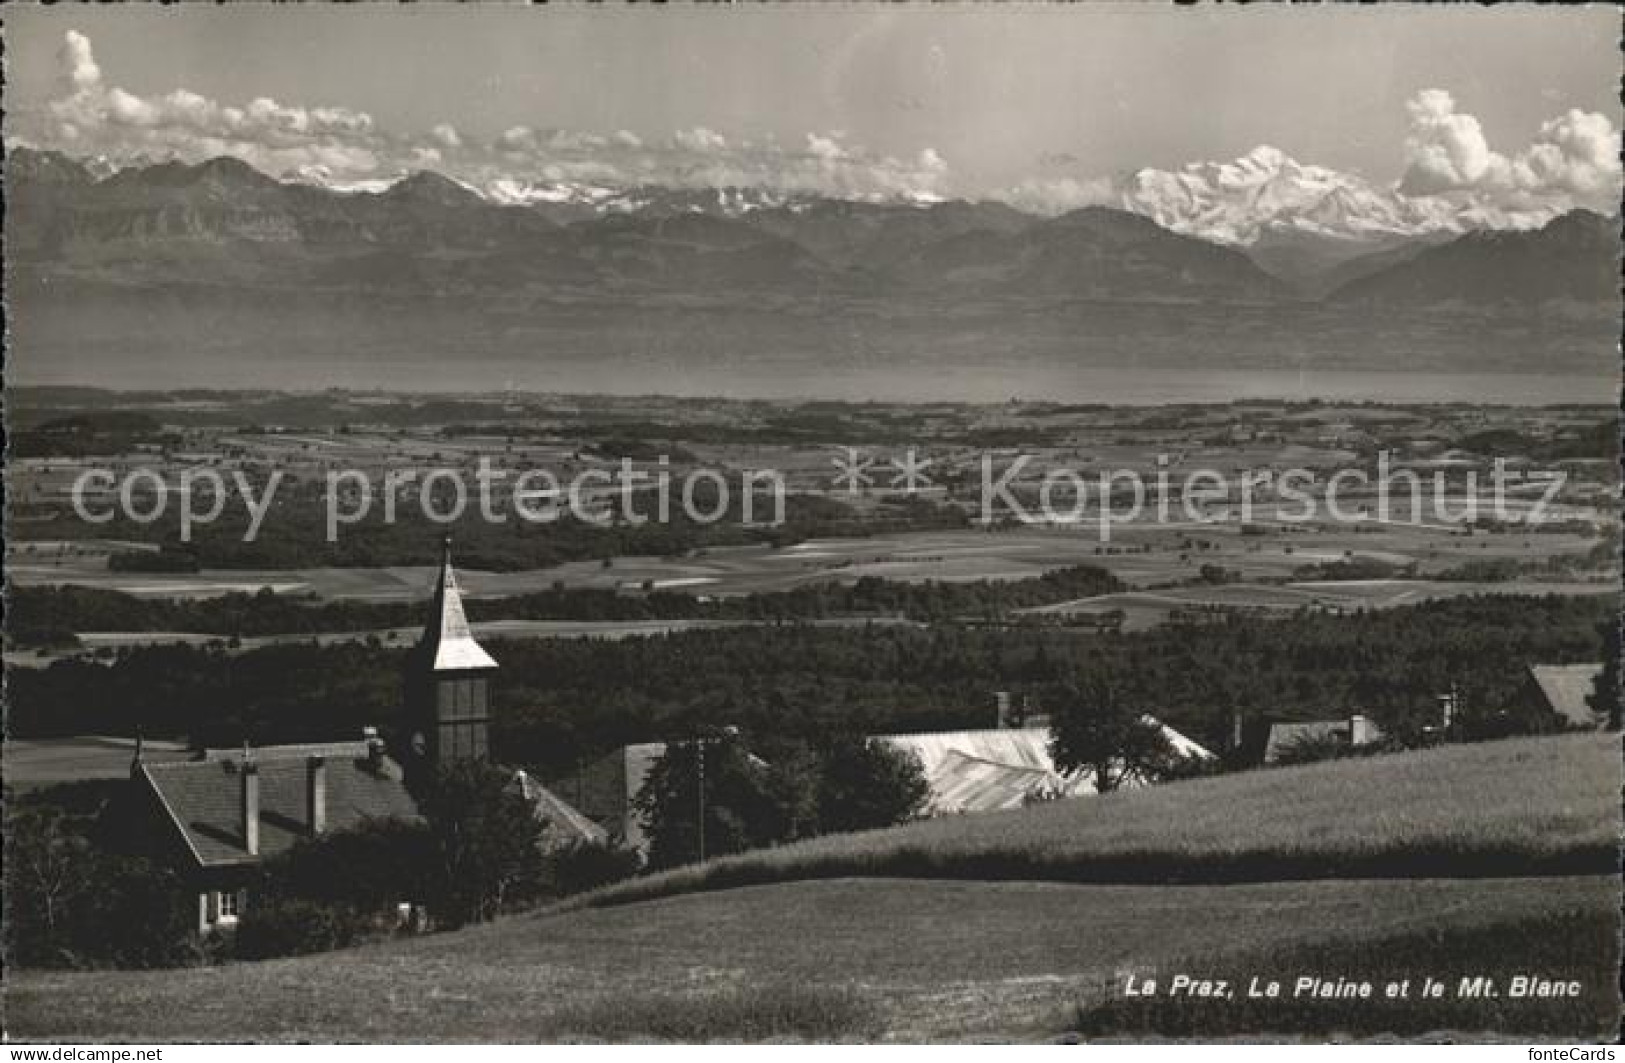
{"points": [[1142, 555], [36, 762]]}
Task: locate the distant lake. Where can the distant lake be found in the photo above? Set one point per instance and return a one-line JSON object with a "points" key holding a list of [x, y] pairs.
{"points": [[1115, 385], [1078, 351]]}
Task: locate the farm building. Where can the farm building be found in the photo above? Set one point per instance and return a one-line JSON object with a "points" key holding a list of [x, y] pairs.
{"points": [[604, 791], [220, 815], [967, 771], [986, 771], [1355, 731], [1566, 690]]}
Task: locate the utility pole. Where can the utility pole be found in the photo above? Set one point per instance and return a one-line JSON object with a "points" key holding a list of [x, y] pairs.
{"points": [[700, 742], [699, 789]]}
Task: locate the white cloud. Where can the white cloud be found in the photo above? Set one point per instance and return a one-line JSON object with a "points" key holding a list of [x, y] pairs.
{"points": [[1453, 179], [109, 120], [825, 147], [1445, 150], [1577, 152], [344, 147], [1452, 176], [130, 110], [79, 70], [1057, 195], [517, 138], [700, 140], [1573, 160]]}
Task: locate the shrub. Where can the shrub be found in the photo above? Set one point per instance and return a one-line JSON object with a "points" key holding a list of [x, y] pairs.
{"points": [[483, 844], [1313, 748], [746, 803], [1095, 729], [863, 784], [1194, 768], [72, 903], [293, 926], [584, 866], [370, 868]]}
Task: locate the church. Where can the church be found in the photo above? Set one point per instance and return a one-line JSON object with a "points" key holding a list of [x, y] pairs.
{"points": [[223, 813]]}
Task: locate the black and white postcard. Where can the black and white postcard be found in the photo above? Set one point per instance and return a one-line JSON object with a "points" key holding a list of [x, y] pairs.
{"points": [[845, 523]]}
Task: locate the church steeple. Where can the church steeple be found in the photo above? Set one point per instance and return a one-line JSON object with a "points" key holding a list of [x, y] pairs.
{"points": [[448, 695], [447, 642]]}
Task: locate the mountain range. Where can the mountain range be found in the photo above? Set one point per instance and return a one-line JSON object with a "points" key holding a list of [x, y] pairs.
{"points": [[223, 222]]}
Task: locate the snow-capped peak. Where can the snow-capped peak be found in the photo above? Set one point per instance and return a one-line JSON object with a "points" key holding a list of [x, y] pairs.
{"points": [[1268, 193]]}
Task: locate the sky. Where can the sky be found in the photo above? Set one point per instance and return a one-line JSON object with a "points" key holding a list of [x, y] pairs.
{"points": [[1036, 104]]}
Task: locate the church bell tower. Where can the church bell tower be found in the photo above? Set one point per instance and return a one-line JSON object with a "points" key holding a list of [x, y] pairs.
{"points": [[448, 675]]}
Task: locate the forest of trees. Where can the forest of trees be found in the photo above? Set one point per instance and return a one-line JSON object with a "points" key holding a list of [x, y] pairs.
{"points": [[45, 616], [560, 702], [838, 782]]}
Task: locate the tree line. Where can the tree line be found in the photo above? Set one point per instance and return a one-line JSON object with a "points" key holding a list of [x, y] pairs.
{"points": [[562, 702], [50, 616]]}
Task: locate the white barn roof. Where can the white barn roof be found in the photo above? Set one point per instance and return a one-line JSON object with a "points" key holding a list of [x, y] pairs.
{"points": [[985, 771]]}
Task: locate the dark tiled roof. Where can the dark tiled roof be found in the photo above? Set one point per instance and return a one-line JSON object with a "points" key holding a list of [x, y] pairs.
{"points": [[565, 826], [203, 799], [604, 790]]}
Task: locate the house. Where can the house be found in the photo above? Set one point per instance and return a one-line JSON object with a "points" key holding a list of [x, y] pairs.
{"points": [[1566, 690], [220, 815], [1354, 732], [230, 812], [966, 771], [605, 791], [991, 770], [565, 825]]}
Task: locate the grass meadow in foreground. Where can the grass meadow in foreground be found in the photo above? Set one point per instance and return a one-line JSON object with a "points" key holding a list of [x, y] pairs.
{"points": [[1535, 806], [1577, 946], [897, 959], [773, 1011]]}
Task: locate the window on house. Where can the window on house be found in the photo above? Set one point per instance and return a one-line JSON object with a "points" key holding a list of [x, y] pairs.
{"points": [[226, 906]]}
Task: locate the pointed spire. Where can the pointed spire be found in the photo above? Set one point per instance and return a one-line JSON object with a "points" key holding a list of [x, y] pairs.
{"points": [[448, 642]]}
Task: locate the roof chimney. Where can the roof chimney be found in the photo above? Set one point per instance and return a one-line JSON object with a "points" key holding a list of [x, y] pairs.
{"points": [[1359, 730], [251, 807], [316, 794], [375, 748]]}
